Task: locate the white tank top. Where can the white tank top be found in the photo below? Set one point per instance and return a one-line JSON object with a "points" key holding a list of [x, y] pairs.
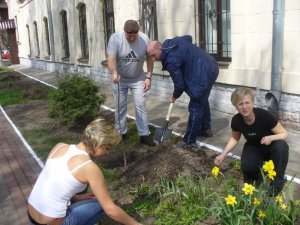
{"points": [[56, 185]]}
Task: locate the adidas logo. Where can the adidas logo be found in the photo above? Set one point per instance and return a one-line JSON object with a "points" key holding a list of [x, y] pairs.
{"points": [[131, 57]]}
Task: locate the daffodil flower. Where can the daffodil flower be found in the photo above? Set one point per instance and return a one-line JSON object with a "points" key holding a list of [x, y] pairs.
{"points": [[268, 166], [271, 174], [279, 198], [256, 202], [248, 189], [261, 214], [215, 171], [283, 206], [230, 200]]}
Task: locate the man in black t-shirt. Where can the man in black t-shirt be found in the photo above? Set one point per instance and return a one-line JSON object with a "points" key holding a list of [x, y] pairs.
{"points": [[265, 140]]}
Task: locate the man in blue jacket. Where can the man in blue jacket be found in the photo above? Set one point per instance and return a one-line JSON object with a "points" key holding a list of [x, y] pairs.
{"points": [[193, 71]]}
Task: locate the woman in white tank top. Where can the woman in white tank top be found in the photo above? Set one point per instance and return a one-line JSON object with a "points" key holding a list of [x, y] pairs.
{"points": [[67, 172]]}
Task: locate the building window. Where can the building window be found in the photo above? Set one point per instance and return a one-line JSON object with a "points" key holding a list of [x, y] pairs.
{"points": [[149, 19], [29, 41], [83, 31], [65, 36], [215, 28], [36, 38], [109, 21], [47, 40]]}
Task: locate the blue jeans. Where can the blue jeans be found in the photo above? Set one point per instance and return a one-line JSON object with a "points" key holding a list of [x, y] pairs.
{"points": [[139, 98], [86, 212]]}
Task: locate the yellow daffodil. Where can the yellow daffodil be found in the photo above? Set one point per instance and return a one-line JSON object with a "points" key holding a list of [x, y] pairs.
{"points": [[256, 202], [271, 174], [261, 214], [279, 198], [230, 200], [215, 171], [268, 166], [283, 206], [248, 189]]}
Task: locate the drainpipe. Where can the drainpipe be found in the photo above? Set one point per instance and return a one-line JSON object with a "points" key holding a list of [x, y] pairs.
{"points": [[273, 96]]}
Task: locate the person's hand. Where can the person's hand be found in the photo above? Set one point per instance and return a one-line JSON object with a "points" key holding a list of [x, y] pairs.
{"points": [[147, 85], [172, 99], [266, 140], [219, 159], [115, 77]]}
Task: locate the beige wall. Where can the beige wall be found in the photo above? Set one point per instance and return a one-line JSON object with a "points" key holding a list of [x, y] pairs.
{"points": [[251, 34]]}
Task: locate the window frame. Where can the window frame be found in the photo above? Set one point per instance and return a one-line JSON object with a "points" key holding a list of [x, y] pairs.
{"points": [[148, 20], [65, 35], [84, 42], [220, 53]]}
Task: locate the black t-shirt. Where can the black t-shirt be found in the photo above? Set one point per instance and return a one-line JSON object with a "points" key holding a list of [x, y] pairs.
{"points": [[264, 122]]}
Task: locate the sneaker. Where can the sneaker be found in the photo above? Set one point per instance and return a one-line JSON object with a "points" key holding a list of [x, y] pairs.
{"points": [[147, 140], [205, 133], [124, 136], [183, 144]]}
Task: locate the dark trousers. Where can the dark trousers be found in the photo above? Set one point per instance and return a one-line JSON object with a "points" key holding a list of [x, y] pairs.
{"points": [[253, 158], [199, 118]]}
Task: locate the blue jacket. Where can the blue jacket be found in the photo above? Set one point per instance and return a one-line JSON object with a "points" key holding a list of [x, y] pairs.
{"points": [[191, 68]]}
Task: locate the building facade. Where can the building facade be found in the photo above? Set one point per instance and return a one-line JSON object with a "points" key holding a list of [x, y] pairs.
{"points": [[254, 42]]}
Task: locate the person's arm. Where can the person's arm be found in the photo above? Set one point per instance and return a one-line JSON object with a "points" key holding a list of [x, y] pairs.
{"points": [[279, 134], [232, 142], [96, 180], [150, 65], [112, 66]]}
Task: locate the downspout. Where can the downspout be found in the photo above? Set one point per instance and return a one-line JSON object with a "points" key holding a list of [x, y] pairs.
{"points": [[50, 27], [273, 96]]}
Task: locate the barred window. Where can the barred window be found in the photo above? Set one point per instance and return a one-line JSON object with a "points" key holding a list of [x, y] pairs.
{"points": [[47, 40], [65, 36], [109, 21], [149, 19], [36, 38], [29, 40], [215, 28], [83, 31]]}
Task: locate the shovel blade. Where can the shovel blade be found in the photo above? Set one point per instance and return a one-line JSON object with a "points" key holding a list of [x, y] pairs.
{"points": [[162, 134]]}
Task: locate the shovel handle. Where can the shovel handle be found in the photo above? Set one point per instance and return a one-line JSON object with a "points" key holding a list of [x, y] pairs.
{"points": [[169, 111]]}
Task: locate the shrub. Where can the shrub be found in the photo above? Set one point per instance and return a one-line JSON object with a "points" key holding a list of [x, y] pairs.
{"points": [[75, 100]]}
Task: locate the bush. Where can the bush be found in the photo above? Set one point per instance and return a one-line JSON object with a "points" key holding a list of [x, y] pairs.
{"points": [[75, 100]]}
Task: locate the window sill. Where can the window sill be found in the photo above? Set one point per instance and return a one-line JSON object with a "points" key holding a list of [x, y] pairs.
{"points": [[83, 60], [65, 59], [104, 62], [223, 65]]}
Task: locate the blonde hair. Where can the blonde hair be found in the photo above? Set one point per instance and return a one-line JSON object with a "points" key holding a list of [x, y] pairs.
{"points": [[98, 133], [240, 93]]}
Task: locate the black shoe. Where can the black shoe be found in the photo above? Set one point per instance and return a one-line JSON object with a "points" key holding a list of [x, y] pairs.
{"points": [[205, 133], [124, 136], [184, 145], [275, 189], [147, 140]]}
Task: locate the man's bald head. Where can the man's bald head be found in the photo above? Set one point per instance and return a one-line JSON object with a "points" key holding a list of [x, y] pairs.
{"points": [[154, 49]]}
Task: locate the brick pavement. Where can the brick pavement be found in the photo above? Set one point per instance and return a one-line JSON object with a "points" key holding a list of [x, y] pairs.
{"points": [[18, 172]]}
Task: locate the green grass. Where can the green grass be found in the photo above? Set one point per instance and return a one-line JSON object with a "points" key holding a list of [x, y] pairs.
{"points": [[42, 140], [11, 96], [5, 69]]}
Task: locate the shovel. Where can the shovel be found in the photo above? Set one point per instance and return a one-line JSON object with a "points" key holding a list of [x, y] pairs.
{"points": [[164, 133]]}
